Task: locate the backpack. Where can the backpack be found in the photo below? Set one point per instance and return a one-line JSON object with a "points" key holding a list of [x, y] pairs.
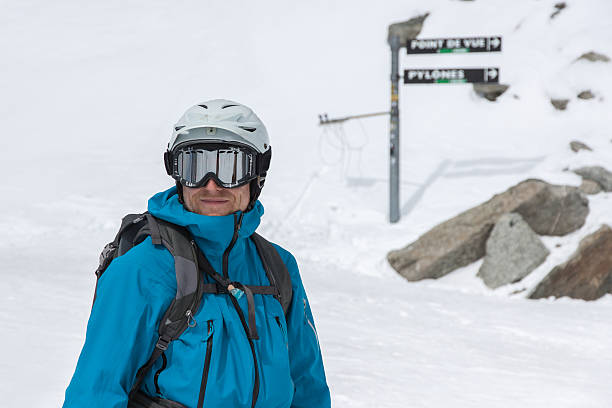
{"points": [[190, 266]]}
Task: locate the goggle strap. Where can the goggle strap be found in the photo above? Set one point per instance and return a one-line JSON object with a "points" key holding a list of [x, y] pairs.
{"points": [[168, 162], [263, 161]]}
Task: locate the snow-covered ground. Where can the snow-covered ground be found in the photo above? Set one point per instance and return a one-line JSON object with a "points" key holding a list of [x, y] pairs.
{"points": [[90, 90]]}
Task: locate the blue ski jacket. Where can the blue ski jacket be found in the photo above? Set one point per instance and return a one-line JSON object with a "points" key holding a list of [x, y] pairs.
{"points": [[212, 361]]}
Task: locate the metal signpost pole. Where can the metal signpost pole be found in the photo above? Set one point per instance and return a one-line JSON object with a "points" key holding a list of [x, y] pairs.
{"points": [[394, 214]]}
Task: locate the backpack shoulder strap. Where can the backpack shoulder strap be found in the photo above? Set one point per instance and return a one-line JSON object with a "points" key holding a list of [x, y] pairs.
{"points": [[276, 270], [188, 288], [134, 229], [179, 242]]}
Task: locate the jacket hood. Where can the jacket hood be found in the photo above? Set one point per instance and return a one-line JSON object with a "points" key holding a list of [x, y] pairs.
{"points": [[213, 234]]}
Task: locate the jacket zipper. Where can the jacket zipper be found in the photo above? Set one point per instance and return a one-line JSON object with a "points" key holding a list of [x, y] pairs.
{"points": [[283, 332], [209, 344], [225, 271], [237, 225], [310, 323]]}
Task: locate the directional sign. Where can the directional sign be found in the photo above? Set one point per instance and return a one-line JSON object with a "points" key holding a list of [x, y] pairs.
{"points": [[454, 45], [451, 75]]}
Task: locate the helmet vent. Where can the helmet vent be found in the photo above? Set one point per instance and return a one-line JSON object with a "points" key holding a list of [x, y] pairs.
{"points": [[248, 129], [228, 106], [203, 106], [177, 128]]}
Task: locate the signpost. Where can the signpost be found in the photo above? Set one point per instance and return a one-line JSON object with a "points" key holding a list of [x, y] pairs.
{"points": [[404, 34], [451, 75], [394, 211], [454, 45]]}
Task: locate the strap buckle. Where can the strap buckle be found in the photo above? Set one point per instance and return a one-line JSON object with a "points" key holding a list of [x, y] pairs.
{"points": [[162, 343]]}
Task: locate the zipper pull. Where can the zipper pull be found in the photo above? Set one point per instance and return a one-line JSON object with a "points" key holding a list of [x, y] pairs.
{"points": [[191, 322], [237, 293]]}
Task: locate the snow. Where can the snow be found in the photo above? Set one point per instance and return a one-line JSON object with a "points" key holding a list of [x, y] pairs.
{"points": [[90, 91]]}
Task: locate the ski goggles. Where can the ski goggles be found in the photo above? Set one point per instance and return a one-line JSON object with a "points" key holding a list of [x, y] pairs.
{"points": [[228, 165]]}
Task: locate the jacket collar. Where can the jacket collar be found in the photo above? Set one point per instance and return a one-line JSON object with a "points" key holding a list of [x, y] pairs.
{"points": [[213, 234]]}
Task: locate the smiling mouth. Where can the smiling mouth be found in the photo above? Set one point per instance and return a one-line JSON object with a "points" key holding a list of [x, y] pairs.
{"points": [[214, 201]]}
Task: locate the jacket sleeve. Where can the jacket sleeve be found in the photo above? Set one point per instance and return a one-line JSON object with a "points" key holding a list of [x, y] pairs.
{"points": [[307, 372], [121, 333]]}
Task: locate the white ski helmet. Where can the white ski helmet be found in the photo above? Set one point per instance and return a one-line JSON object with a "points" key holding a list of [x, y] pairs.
{"points": [[221, 122]]}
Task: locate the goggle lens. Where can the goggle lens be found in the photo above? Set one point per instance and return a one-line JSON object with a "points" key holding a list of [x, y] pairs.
{"points": [[229, 166]]}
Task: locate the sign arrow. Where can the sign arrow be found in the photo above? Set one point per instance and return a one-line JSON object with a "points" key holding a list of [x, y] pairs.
{"points": [[492, 43], [451, 75], [495, 42]]}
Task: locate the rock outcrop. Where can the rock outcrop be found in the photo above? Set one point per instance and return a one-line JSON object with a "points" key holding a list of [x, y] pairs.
{"points": [[548, 209], [513, 251], [586, 275]]}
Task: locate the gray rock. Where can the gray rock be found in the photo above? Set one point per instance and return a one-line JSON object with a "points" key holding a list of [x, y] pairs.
{"points": [[597, 174], [586, 95], [490, 91], [548, 209], [559, 104], [590, 187], [513, 251], [593, 56], [586, 275], [557, 210], [407, 30], [576, 146]]}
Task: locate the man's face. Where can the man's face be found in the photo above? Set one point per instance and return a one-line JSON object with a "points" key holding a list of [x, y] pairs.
{"points": [[214, 200]]}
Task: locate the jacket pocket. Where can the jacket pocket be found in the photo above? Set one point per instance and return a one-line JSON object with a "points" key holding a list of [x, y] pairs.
{"points": [[207, 357]]}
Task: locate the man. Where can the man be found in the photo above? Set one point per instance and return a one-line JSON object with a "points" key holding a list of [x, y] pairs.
{"points": [[237, 351]]}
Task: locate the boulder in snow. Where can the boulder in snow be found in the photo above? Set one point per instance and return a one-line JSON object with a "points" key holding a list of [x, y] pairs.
{"points": [[548, 209], [586, 94], [513, 251], [490, 91], [554, 210], [597, 174], [586, 275], [576, 146], [593, 56], [559, 104]]}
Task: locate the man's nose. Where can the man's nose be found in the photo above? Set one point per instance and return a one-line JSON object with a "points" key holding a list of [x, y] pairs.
{"points": [[211, 185]]}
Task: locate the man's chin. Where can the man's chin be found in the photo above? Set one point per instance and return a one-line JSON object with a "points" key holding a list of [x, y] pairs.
{"points": [[213, 212], [213, 209]]}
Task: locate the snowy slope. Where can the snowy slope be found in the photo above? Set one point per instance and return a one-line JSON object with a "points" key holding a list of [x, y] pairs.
{"points": [[89, 92]]}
